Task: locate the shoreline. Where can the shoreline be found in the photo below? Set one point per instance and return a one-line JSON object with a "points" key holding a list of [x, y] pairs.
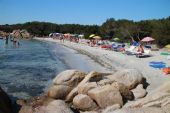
{"points": [[117, 61]]}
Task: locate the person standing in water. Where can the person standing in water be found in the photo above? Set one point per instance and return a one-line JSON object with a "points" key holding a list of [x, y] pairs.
{"points": [[6, 40]]}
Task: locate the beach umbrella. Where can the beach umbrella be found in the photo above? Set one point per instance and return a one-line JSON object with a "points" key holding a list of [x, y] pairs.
{"points": [[116, 39], [168, 46], [97, 37], [92, 35], [147, 39], [80, 36]]}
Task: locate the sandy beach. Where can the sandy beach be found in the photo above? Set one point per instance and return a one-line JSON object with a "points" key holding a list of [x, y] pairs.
{"points": [[115, 61]]}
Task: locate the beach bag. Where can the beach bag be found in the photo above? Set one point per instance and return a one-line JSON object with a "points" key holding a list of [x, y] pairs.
{"points": [[166, 70]]}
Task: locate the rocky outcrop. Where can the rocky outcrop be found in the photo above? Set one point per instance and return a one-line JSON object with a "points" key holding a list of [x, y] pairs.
{"points": [[90, 93], [21, 34], [5, 102], [95, 91], [3, 34]]}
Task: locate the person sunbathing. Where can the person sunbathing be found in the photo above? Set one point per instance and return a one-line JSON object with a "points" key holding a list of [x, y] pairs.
{"points": [[140, 49]]}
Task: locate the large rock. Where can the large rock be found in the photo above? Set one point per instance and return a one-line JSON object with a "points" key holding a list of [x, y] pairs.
{"points": [[84, 102], [58, 91], [139, 110], [90, 77], [106, 96], [139, 92], [129, 77], [124, 91], [5, 102], [58, 106], [93, 76], [158, 97], [83, 89], [69, 77], [71, 95]]}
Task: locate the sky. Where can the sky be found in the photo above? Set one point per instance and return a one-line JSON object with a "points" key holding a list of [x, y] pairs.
{"points": [[86, 12]]}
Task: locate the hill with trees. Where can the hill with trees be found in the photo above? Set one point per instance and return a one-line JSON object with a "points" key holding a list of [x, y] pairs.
{"points": [[124, 29]]}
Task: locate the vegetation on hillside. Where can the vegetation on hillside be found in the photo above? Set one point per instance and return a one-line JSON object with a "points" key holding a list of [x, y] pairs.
{"points": [[111, 28]]}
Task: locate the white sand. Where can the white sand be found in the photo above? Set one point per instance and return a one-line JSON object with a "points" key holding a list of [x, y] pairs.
{"points": [[116, 60]]}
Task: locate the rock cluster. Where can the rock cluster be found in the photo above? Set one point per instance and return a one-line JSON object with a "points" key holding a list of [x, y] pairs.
{"points": [[3, 34], [21, 34], [95, 92]]}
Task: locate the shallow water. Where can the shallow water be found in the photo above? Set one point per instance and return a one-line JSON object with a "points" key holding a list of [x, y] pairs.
{"points": [[28, 70]]}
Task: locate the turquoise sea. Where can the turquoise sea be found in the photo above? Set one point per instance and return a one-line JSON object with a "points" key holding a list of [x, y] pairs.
{"points": [[28, 70]]}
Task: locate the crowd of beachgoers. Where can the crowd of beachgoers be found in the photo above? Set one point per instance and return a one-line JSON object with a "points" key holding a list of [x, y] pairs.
{"points": [[140, 48], [152, 62]]}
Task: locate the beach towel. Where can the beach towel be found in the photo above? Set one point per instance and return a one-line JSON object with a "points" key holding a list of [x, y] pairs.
{"points": [[158, 65], [154, 62], [165, 53], [166, 70]]}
